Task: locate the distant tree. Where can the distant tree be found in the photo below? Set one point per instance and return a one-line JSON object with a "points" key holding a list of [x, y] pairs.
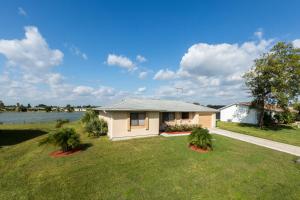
{"points": [[2, 106], [275, 78], [69, 108], [29, 106], [48, 108], [42, 105]]}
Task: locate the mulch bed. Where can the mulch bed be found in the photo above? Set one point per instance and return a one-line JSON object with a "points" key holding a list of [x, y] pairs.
{"points": [[178, 133], [59, 153], [195, 148]]}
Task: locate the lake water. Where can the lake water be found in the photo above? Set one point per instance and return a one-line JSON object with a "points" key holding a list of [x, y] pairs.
{"points": [[31, 117]]}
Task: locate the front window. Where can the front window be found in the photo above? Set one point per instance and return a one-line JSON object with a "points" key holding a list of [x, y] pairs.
{"points": [[185, 115], [168, 116], [137, 119]]}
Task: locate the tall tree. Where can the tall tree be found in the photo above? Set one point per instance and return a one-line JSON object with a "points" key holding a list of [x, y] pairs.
{"points": [[275, 78]]}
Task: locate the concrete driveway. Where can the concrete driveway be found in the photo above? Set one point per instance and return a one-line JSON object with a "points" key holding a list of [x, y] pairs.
{"points": [[287, 148]]}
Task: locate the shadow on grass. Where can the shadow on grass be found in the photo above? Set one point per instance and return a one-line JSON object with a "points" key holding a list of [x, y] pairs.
{"points": [[268, 128], [85, 146], [12, 137]]}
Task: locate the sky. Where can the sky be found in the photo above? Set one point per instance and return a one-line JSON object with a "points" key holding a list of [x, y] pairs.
{"points": [[98, 52]]}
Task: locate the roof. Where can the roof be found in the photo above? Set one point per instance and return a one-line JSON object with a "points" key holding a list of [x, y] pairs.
{"points": [[269, 107], [239, 103], [155, 105]]}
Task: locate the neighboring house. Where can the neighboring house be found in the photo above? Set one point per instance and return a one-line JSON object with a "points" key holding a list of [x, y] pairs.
{"points": [[147, 117], [243, 112], [240, 113]]}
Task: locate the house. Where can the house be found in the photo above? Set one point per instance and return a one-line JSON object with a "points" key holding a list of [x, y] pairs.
{"points": [[244, 112], [133, 118], [239, 112]]}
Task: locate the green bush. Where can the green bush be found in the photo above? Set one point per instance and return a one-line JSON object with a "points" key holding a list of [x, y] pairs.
{"points": [[61, 122], [93, 125], [201, 138], [181, 128], [96, 127], [66, 138], [88, 116], [285, 117]]}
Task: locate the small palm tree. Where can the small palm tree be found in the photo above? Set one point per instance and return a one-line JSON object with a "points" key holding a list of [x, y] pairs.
{"points": [[66, 138], [200, 138]]}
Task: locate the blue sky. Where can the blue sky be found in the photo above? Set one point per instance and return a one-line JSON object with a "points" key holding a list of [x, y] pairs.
{"points": [[85, 52]]}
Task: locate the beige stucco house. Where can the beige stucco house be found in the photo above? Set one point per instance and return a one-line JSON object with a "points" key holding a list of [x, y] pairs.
{"points": [[133, 118]]}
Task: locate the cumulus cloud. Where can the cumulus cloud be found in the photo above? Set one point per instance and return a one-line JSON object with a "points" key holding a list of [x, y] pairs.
{"points": [[32, 52], [29, 75], [221, 59], [141, 58], [83, 90], [296, 43], [143, 74], [164, 74], [120, 61], [21, 11], [208, 71]]}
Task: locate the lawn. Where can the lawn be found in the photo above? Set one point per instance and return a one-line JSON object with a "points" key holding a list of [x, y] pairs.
{"points": [[285, 134], [150, 168]]}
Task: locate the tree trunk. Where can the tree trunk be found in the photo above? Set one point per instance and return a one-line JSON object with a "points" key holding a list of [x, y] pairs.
{"points": [[262, 113]]}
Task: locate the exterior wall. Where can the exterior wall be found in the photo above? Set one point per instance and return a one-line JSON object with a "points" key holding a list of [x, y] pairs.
{"points": [[239, 114], [119, 129], [108, 118]]}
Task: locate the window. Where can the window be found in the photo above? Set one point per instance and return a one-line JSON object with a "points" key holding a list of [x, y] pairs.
{"points": [[137, 119], [185, 115], [168, 116]]}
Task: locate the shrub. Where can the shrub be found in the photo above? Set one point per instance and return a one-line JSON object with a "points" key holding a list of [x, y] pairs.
{"points": [[93, 125], [66, 138], [61, 122], [181, 128], [285, 117], [200, 138], [96, 127], [88, 116]]}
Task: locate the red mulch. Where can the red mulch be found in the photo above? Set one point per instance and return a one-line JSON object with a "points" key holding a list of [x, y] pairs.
{"points": [[60, 153], [178, 133], [195, 148]]}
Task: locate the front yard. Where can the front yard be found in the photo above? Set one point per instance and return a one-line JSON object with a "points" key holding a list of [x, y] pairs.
{"points": [[152, 168], [284, 134]]}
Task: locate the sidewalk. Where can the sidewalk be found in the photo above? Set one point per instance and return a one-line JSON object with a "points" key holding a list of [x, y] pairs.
{"points": [[287, 148]]}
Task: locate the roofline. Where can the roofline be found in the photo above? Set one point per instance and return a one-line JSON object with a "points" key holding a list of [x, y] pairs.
{"points": [[153, 110]]}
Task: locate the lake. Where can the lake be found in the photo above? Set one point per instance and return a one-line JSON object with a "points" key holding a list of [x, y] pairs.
{"points": [[31, 117]]}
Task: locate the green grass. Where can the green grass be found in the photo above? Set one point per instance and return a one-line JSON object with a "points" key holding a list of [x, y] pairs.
{"points": [[150, 168], [285, 134]]}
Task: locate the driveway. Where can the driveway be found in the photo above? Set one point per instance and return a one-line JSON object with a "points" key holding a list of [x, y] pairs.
{"points": [[287, 148]]}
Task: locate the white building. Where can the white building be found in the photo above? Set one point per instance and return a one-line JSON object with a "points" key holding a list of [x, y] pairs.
{"points": [[240, 113]]}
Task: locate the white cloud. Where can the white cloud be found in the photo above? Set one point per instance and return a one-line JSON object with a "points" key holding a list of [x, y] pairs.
{"points": [[259, 33], [21, 11], [120, 61], [296, 43], [76, 51], [164, 75], [143, 74], [54, 78], [141, 58], [83, 90], [141, 89], [221, 59], [32, 52]]}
